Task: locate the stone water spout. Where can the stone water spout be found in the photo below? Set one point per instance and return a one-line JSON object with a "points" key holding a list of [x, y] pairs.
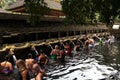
{"points": [[72, 43], [11, 51], [51, 46], [33, 48]]}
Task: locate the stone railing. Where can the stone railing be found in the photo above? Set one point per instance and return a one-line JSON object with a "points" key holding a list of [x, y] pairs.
{"points": [[21, 49]]}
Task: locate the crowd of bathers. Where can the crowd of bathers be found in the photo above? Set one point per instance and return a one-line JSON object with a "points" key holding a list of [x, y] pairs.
{"points": [[33, 68]]}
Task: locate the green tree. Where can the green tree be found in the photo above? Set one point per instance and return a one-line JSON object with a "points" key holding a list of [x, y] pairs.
{"points": [[108, 10], [36, 9], [83, 11], [78, 11], [4, 3]]}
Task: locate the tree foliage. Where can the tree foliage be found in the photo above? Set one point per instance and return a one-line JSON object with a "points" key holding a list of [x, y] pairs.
{"points": [[84, 11], [78, 11], [4, 3], [108, 10], [36, 9]]}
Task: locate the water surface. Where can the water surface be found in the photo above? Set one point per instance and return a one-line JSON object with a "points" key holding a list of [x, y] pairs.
{"points": [[97, 65]]}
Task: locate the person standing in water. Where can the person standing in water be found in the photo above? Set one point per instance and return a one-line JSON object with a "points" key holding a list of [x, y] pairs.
{"points": [[55, 52], [6, 66], [42, 59], [100, 41], [92, 42], [86, 44], [61, 56], [29, 63], [111, 39], [24, 72], [68, 49], [77, 47], [37, 71]]}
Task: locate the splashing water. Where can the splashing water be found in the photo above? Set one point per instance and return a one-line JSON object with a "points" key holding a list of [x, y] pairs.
{"points": [[93, 66]]}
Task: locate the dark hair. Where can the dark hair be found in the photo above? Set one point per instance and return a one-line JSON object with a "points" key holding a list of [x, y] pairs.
{"points": [[62, 47], [7, 57], [41, 51], [87, 38], [29, 55]]}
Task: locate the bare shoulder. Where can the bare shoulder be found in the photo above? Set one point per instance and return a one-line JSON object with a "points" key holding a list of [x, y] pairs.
{"points": [[24, 72], [32, 60], [39, 76], [9, 63], [26, 60]]}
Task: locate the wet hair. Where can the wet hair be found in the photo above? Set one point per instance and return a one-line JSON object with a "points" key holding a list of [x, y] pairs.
{"points": [[29, 55], [41, 51], [7, 50], [87, 38], [7, 57], [62, 47], [67, 43], [21, 64], [56, 46], [36, 67]]}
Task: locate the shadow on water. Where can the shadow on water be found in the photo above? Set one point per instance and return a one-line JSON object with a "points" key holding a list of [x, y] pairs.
{"points": [[97, 65], [111, 55]]}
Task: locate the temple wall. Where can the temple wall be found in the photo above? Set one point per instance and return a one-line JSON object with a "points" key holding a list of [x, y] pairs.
{"points": [[18, 33]]}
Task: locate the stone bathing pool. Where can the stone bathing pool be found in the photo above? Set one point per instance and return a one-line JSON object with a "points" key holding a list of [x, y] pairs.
{"points": [[99, 64]]}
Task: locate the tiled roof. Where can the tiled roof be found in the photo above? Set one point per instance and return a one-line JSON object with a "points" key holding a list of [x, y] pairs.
{"points": [[52, 4]]}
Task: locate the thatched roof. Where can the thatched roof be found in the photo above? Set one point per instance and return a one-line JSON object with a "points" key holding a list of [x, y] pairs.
{"points": [[50, 3]]}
